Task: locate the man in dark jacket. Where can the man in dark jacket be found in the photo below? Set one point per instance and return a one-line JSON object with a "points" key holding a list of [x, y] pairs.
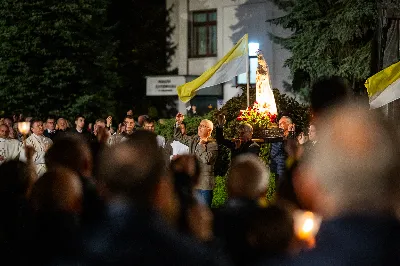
{"points": [[278, 153], [244, 144]]}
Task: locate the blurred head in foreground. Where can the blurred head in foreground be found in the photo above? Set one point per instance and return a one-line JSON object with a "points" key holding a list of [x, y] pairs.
{"points": [[326, 93], [248, 177], [354, 167], [135, 171]]}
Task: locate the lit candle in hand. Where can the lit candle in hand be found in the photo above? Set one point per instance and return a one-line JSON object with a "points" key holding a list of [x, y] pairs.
{"points": [[24, 127], [306, 225]]}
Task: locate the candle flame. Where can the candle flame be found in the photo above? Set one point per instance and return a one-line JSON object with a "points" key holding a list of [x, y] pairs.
{"points": [[24, 127], [306, 224]]}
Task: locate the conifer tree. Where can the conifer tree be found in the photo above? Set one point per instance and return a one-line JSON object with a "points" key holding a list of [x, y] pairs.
{"points": [[56, 57], [331, 37]]}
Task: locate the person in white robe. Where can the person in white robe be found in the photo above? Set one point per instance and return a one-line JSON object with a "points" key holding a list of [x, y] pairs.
{"points": [[10, 149], [41, 144]]}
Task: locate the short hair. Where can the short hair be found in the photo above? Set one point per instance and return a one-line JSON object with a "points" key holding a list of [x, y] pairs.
{"points": [[70, 151], [51, 117], [328, 92], [35, 120], [79, 116], [149, 120], [248, 176], [129, 117], [100, 120], [246, 127], [133, 168]]}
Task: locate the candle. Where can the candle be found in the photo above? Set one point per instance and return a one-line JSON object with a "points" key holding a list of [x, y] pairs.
{"points": [[24, 127], [306, 224]]}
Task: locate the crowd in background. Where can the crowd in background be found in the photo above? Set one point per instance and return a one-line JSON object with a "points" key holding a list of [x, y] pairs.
{"points": [[124, 196]]}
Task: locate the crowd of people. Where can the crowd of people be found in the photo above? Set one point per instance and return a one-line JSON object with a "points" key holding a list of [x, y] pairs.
{"points": [[76, 197]]}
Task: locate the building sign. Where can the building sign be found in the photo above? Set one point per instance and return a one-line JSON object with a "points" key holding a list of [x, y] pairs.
{"points": [[163, 85]]}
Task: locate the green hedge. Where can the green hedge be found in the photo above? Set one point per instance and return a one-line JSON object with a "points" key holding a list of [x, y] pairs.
{"points": [[221, 195], [165, 127]]}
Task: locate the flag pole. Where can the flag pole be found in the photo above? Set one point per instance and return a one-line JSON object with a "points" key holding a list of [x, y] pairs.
{"points": [[248, 76]]}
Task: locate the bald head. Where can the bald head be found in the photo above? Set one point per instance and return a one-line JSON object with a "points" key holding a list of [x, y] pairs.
{"points": [[205, 128], [356, 160], [248, 177], [4, 131]]}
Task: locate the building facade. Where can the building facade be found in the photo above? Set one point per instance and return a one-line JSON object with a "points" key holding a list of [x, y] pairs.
{"points": [[205, 30]]}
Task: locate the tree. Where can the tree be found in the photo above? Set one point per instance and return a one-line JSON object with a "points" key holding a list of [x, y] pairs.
{"points": [[142, 30], [56, 57], [330, 38]]}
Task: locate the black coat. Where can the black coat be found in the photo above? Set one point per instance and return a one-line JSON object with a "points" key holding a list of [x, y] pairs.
{"points": [[248, 147], [130, 236]]}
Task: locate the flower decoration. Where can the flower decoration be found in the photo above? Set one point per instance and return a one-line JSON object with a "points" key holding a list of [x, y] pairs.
{"points": [[257, 116]]}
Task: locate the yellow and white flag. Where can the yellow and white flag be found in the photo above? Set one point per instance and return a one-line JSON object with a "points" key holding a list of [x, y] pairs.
{"points": [[384, 87], [231, 65]]}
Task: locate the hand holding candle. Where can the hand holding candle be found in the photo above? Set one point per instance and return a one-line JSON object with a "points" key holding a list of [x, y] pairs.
{"points": [[24, 127], [306, 225]]}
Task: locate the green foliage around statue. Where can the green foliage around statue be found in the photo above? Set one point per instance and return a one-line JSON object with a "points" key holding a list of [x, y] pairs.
{"points": [[329, 38], [286, 106]]}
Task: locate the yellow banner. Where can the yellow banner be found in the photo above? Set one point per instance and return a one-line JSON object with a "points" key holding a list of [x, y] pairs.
{"points": [[381, 80], [231, 65]]}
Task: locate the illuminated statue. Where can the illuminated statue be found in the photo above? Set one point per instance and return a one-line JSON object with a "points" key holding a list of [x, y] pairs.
{"points": [[264, 95]]}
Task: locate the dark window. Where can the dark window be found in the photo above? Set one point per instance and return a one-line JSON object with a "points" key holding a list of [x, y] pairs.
{"points": [[203, 34]]}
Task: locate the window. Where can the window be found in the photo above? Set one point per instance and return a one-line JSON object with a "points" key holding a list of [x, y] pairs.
{"points": [[242, 78], [203, 34]]}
